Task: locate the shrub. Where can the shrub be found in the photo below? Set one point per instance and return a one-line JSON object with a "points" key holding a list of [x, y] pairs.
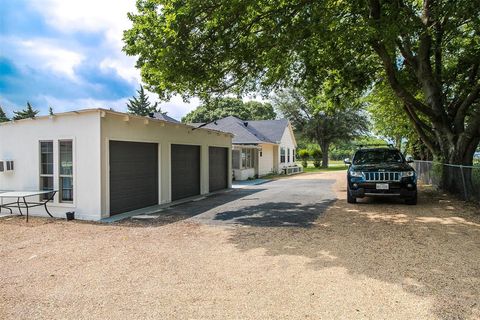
{"points": [[316, 154], [303, 154]]}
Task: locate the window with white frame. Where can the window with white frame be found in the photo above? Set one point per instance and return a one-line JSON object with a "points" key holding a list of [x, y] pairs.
{"points": [[46, 166], [293, 155], [65, 161], [288, 155], [282, 155], [247, 158]]}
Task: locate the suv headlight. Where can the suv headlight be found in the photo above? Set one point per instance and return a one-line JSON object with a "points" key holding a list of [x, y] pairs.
{"points": [[408, 174], [357, 174]]}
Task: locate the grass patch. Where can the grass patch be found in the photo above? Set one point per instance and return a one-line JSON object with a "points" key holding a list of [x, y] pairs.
{"points": [[333, 165]]}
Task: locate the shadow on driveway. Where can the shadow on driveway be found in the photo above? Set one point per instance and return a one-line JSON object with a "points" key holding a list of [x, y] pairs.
{"points": [[276, 214], [190, 209]]}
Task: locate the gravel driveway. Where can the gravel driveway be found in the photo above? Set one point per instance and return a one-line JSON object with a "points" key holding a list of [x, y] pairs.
{"points": [[289, 249]]}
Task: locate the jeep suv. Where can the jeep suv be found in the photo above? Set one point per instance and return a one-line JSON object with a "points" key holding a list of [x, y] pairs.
{"points": [[381, 172]]}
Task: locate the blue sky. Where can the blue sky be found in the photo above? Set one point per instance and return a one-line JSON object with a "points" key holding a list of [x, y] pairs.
{"points": [[67, 54]]}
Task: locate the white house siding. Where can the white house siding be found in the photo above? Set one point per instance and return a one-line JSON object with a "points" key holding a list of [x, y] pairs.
{"points": [[287, 142], [266, 163], [123, 128], [19, 141]]}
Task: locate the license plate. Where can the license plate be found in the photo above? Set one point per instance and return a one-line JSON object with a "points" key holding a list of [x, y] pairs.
{"points": [[382, 186]]}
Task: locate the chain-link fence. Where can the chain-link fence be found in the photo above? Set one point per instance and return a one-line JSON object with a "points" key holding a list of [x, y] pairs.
{"points": [[461, 180]]}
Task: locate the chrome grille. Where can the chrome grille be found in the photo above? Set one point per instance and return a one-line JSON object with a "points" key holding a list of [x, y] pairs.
{"points": [[382, 176]]}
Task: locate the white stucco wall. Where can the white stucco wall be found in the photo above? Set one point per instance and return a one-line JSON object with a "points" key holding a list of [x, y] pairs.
{"points": [[266, 161], [287, 141], [19, 141], [119, 127]]}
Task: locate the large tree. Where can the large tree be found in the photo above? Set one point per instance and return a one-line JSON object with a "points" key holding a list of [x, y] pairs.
{"points": [[3, 116], [218, 108], [323, 119], [140, 105], [206, 47], [383, 106], [26, 113]]}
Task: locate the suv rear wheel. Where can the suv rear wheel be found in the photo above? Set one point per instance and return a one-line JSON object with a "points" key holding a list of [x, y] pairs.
{"points": [[350, 198]]}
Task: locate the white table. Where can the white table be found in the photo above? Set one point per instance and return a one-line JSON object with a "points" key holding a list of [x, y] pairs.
{"points": [[22, 202]]}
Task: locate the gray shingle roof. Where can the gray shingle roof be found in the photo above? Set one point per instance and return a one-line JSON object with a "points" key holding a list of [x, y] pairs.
{"points": [[250, 132], [162, 116]]}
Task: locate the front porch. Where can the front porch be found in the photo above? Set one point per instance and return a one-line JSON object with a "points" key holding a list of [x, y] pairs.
{"points": [[245, 161]]}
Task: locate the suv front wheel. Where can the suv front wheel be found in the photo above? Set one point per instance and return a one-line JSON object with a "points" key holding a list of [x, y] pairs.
{"points": [[350, 198], [412, 201]]}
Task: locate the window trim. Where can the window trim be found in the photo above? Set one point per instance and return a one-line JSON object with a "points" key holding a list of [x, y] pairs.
{"points": [[60, 176], [247, 161], [282, 156], [46, 175]]}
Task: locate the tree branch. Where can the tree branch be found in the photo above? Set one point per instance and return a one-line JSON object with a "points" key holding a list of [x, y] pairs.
{"points": [[401, 92], [461, 113], [417, 124]]}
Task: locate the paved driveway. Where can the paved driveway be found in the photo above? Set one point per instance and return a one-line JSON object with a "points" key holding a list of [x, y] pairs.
{"points": [[295, 201]]}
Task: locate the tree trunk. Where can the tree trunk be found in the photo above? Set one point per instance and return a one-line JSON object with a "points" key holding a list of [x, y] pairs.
{"points": [[398, 142], [324, 146]]}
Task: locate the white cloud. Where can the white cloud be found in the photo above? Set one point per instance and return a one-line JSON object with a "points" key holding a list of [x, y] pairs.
{"points": [[62, 105], [123, 66], [107, 17], [177, 108], [46, 55], [86, 15]]}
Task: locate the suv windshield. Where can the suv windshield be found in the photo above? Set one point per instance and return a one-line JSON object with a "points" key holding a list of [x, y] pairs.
{"points": [[377, 156]]}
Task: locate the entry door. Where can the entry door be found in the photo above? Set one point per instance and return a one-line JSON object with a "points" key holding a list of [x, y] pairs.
{"points": [[185, 171], [133, 176], [218, 168]]}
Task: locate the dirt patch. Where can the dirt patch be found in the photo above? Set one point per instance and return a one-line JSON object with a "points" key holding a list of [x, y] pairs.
{"points": [[375, 260]]}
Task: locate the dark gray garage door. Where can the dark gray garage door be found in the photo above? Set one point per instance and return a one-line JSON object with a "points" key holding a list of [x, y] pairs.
{"points": [[185, 171], [133, 176], [218, 168]]}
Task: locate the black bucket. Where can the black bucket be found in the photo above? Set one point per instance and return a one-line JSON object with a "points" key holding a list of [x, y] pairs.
{"points": [[70, 215]]}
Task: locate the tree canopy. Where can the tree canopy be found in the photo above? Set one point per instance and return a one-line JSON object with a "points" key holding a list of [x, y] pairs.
{"points": [[140, 105], [218, 108], [3, 116], [26, 113], [207, 47], [323, 119], [383, 106]]}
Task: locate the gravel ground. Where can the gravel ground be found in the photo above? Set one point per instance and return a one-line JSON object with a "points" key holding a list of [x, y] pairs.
{"points": [[245, 257]]}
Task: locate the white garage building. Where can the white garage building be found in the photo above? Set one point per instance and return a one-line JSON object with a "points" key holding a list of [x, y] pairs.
{"points": [[104, 162]]}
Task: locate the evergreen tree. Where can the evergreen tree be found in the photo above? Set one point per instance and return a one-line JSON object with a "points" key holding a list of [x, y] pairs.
{"points": [[26, 113], [3, 116], [50, 111], [140, 105]]}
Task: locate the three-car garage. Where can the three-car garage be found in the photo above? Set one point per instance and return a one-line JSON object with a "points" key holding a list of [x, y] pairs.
{"points": [[156, 162]]}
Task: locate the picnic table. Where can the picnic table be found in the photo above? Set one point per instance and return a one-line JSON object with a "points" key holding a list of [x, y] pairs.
{"points": [[22, 202]]}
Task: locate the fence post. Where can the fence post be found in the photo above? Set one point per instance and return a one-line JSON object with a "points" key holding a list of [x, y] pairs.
{"points": [[464, 185]]}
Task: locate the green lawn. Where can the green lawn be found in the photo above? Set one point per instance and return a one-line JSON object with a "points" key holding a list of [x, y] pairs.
{"points": [[334, 165]]}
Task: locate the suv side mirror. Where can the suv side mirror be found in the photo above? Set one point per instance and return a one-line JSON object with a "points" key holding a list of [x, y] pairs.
{"points": [[409, 159], [347, 161]]}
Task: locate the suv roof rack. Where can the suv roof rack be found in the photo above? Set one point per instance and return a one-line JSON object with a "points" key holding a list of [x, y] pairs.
{"points": [[368, 145]]}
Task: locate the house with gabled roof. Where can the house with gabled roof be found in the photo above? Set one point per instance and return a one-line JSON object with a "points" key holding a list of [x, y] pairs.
{"points": [[259, 147]]}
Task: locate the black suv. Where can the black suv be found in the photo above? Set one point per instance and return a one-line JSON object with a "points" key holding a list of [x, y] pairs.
{"points": [[377, 172]]}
